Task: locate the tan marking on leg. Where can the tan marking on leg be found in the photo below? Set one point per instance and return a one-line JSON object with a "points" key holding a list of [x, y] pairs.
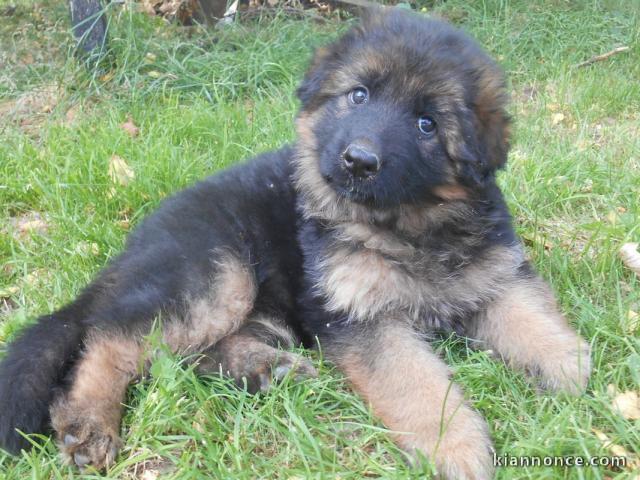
{"points": [[410, 389], [219, 313], [526, 328], [87, 418]]}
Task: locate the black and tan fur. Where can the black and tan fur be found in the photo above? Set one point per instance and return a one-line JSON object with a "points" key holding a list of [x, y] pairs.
{"points": [[381, 225]]}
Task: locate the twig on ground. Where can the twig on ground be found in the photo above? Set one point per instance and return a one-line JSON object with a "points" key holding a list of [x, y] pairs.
{"points": [[604, 56]]}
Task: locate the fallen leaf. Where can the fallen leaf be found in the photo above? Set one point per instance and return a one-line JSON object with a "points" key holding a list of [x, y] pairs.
{"points": [[148, 6], [587, 186], [130, 128], [630, 256], [632, 322], [9, 291], [119, 171], [556, 118], [107, 76], [199, 423], [613, 217], [627, 404], [150, 475], [124, 224], [35, 277], [616, 450]]}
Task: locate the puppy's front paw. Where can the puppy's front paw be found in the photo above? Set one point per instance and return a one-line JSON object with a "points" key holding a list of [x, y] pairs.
{"points": [[461, 448], [87, 437], [466, 453], [566, 369]]}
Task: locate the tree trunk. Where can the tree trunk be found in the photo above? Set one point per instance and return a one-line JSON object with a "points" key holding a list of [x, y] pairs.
{"points": [[89, 25]]}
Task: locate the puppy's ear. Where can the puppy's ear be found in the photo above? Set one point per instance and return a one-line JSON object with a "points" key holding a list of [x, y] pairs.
{"points": [[463, 145], [315, 77], [479, 143], [326, 61], [494, 124]]}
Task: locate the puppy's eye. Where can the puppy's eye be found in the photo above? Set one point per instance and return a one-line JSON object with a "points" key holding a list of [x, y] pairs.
{"points": [[359, 95], [426, 124]]}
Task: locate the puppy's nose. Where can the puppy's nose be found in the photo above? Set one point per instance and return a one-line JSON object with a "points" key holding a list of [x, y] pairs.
{"points": [[361, 161]]}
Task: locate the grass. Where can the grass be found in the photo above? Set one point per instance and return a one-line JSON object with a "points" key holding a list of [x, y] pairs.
{"points": [[206, 99]]}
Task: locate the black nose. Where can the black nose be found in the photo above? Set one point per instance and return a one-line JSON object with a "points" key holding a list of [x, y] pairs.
{"points": [[360, 161]]}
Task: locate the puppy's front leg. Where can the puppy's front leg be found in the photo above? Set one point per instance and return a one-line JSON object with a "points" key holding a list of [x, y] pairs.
{"points": [[410, 389], [525, 327]]}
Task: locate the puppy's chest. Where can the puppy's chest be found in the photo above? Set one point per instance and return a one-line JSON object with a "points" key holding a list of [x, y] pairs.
{"points": [[428, 286]]}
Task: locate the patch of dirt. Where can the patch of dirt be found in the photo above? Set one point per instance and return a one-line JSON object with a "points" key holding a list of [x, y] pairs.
{"points": [[30, 110], [24, 225]]}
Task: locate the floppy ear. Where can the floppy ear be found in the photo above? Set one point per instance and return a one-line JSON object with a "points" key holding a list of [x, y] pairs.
{"points": [[463, 146], [327, 59], [493, 121], [479, 142], [314, 78]]}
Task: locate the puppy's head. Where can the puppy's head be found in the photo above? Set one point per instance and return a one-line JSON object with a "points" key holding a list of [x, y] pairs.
{"points": [[401, 110]]}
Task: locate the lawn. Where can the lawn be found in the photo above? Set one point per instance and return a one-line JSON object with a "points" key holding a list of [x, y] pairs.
{"points": [[204, 99]]}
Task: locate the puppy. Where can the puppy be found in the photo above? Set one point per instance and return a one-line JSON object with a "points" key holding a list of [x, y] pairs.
{"points": [[381, 225]]}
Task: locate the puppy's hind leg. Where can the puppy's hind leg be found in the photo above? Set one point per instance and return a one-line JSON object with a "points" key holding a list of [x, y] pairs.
{"points": [[252, 355], [525, 327], [87, 417]]}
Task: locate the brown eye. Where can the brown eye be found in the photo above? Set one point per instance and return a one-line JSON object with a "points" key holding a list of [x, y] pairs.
{"points": [[426, 124], [359, 95]]}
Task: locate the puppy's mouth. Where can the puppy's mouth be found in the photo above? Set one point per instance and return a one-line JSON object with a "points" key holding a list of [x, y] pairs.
{"points": [[353, 189]]}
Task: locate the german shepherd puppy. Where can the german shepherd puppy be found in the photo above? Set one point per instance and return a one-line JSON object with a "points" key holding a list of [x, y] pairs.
{"points": [[382, 224]]}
